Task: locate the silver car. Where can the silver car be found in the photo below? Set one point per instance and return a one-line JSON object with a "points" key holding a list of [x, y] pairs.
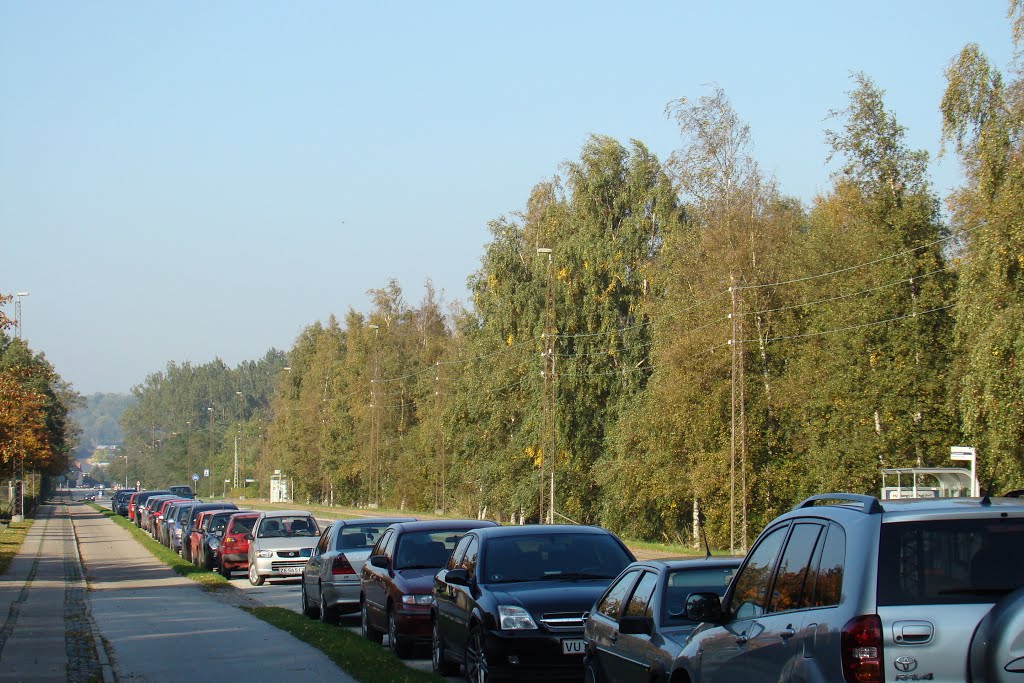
{"points": [[845, 587], [282, 541], [330, 579]]}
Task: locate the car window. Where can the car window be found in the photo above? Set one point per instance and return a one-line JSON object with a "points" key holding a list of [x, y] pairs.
{"points": [[553, 557], [788, 592], [683, 582], [950, 561], [321, 546], [751, 584], [382, 543], [611, 604], [640, 603], [425, 549], [218, 522], [828, 583], [469, 559], [243, 525], [458, 553]]}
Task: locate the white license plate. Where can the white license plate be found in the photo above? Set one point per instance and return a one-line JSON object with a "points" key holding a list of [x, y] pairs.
{"points": [[573, 647], [290, 570]]}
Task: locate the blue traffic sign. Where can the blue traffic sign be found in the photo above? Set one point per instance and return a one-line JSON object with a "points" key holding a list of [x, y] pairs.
{"points": [[195, 477]]}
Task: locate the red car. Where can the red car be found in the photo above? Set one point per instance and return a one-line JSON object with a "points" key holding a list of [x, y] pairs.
{"points": [[234, 545], [131, 506], [398, 579]]}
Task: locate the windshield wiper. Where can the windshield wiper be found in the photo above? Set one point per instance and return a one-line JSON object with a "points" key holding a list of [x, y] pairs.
{"points": [[575, 576], [419, 566]]}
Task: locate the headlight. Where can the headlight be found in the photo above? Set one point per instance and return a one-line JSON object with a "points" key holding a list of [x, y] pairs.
{"points": [[515, 618], [265, 553], [416, 599], [214, 544]]}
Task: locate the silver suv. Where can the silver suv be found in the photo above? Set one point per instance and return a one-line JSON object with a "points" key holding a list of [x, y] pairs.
{"points": [[845, 587]]}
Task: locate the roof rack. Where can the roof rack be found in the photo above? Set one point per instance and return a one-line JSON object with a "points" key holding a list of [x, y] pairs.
{"points": [[869, 504]]}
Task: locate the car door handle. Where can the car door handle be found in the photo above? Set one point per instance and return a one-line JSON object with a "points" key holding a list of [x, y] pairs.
{"points": [[742, 638], [787, 632], [614, 636]]}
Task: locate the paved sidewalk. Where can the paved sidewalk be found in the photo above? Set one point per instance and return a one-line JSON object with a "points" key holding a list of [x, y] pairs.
{"points": [[157, 626], [46, 634]]}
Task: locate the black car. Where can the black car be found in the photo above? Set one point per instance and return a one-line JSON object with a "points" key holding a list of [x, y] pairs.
{"points": [[140, 501], [639, 625], [212, 531], [512, 601], [119, 504], [182, 491], [189, 516]]}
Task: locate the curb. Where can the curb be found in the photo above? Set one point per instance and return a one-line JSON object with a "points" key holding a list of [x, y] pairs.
{"points": [[106, 670]]}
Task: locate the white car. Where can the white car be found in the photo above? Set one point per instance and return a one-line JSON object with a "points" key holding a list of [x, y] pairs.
{"points": [[282, 541]]}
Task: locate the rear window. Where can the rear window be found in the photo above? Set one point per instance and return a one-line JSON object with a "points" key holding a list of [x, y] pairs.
{"points": [[243, 525], [359, 536], [288, 527], [950, 561], [683, 582], [543, 557]]}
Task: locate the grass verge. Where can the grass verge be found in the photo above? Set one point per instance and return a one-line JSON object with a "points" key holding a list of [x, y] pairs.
{"points": [[204, 577], [363, 660], [11, 539]]}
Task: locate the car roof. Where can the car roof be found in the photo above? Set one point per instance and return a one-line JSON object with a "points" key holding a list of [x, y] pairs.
{"points": [[534, 529], [442, 525], [850, 506], [286, 513], [378, 521], [674, 564]]}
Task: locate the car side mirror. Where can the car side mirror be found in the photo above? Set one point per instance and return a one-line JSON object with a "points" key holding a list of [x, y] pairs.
{"points": [[636, 625], [703, 607], [457, 577], [380, 561]]}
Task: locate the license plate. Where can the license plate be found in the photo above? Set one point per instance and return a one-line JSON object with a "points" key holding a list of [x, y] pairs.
{"points": [[573, 647], [291, 570]]}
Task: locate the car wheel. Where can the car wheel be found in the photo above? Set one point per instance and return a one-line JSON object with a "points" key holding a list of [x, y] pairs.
{"points": [[369, 632], [207, 562], [328, 613], [400, 646], [438, 662], [590, 673], [476, 657], [254, 576], [311, 612], [224, 571]]}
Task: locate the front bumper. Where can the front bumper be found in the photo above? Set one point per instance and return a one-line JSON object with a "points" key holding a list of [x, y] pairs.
{"points": [[523, 655], [271, 567]]}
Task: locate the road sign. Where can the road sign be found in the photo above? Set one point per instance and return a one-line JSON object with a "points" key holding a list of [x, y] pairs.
{"points": [[206, 473], [195, 477]]}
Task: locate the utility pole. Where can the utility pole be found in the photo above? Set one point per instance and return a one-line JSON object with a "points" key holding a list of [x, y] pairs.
{"points": [[374, 418], [441, 480], [548, 438], [17, 311], [211, 414], [238, 430], [732, 421]]}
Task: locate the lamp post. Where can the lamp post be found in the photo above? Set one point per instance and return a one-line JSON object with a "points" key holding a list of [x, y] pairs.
{"points": [[210, 412], [125, 469], [238, 430], [17, 311], [189, 465]]}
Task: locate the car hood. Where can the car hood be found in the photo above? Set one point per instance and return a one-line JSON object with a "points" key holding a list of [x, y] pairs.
{"points": [[295, 543], [538, 597]]}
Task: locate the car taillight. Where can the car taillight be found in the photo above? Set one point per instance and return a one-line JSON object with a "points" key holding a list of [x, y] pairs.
{"points": [[862, 649], [341, 566]]}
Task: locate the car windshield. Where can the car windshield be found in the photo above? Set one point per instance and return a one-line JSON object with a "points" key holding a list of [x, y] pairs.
{"points": [[182, 514], [218, 523], [358, 536], [426, 549], [288, 527], [682, 582], [553, 557], [950, 561]]}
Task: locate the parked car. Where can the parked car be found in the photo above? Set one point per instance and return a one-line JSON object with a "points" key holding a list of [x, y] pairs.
{"points": [[175, 524], [397, 582], [206, 551], [234, 543], [847, 587], [330, 578], [157, 513], [139, 501], [187, 523], [182, 491], [639, 625], [165, 520], [511, 601], [119, 504], [282, 541]]}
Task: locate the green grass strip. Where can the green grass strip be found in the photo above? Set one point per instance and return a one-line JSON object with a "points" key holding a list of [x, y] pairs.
{"points": [[207, 579], [11, 539], [365, 661]]}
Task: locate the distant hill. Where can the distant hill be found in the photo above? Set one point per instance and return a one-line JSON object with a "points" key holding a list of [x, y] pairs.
{"points": [[100, 421]]}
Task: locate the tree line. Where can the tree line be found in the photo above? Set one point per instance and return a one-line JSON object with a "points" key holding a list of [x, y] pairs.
{"points": [[663, 347]]}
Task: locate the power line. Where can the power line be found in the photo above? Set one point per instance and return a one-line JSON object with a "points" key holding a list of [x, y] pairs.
{"points": [[875, 323]]}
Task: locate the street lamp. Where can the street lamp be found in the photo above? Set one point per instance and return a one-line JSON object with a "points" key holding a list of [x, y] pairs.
{"points": [[238, 429], [125, 456], [374, 419], [17, 311], [211, 415], [549, 435]]}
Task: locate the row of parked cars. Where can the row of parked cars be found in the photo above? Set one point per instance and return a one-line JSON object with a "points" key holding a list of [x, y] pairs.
{"points": [[842, 588]]}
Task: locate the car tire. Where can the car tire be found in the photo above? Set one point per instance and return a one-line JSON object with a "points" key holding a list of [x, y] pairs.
{"points": [[328, 613], [311, 612], [477, 670], [400, 646], [207, 562], [438, 662], [369, 632], [591, 674], [254, 576], [224, 571]]}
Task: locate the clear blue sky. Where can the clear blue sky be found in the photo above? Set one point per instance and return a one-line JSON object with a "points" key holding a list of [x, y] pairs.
{"points": [[186, 180]]}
